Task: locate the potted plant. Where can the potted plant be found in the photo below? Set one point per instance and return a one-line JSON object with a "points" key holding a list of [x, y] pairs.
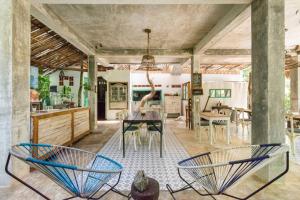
{"points": [[44, 89]]}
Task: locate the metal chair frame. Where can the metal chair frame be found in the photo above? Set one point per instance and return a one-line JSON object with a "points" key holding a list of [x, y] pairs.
{"points": [[61, 169], [245, 165]]}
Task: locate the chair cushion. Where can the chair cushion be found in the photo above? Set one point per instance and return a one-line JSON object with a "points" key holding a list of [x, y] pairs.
{"points": [[132, 128], [222, 123], [204, 123], [152, 128], [296, 130], [247, 120], [150, 124]]}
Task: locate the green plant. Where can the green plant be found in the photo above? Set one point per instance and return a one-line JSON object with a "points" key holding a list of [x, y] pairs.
{"points": [[66, 92], [44, 89], [87, 86]]}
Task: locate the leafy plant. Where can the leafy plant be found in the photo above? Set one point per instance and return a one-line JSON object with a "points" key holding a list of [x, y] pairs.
{"points": [[44, 89], [66, 92], [87, 86]]}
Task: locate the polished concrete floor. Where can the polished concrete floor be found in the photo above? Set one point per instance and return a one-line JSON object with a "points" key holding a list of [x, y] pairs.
{"points": [[287, 188]]}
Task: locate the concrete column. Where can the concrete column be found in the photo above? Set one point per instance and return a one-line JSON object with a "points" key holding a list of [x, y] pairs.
{"points": [[14, 81], [92, 74], [195, 68], [295, 87], [268, 75]]}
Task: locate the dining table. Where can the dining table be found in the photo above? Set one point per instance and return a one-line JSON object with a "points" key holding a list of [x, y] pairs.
{"points": [[151, 118], [211, 117]]}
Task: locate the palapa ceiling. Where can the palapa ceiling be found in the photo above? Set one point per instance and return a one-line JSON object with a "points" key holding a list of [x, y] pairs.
{"points": [[50, 51]]}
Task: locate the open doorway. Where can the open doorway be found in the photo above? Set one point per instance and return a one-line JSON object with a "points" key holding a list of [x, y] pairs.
{"points": [[102, 87]]}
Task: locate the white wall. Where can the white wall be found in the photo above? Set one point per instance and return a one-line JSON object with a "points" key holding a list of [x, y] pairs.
{"points": [[166, 81], [54, 80], [238, 94], [114, 76], [235, 82], [210, 81]]}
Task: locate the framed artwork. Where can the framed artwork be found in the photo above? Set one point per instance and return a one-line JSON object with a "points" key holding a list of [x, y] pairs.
{"points": [[197, 84], [118, 95], [186, 91]]}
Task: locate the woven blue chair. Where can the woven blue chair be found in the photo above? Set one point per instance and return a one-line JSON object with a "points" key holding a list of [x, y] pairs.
{"points": [[215, 172], [81, 173]]}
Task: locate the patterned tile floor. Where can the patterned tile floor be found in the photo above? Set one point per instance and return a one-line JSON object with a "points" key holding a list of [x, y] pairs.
{"points": [[162, 169], [287, 188]]}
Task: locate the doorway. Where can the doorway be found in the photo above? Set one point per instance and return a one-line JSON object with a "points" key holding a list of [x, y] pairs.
{"points": [[101, 104]]}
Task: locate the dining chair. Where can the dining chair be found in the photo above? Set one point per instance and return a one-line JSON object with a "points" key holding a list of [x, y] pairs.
{"points": [[245, 121], [133, 131], [204, 125], [152, 131], [221, 124], [292, 131]]}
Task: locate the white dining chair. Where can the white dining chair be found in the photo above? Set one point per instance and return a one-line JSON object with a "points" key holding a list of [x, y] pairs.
{"points": [[153, 132], [222, 125], [133, 131], [245, 121], [293, 132]]}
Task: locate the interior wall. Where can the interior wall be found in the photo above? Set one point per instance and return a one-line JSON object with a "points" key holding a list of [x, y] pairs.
{"points": [[238, 94], [210, 81], [114, 76], [166, 81], [235, 82], [54, 80]]}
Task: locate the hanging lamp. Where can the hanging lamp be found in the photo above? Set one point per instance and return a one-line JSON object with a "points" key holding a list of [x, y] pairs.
{"points": [[148, 61]]}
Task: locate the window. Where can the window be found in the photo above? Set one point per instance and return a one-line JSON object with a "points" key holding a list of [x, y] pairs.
{"points": [[220, 93], [71, 81]]}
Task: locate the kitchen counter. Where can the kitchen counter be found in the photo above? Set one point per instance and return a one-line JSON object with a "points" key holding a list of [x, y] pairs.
{"points": [[60, 126]]}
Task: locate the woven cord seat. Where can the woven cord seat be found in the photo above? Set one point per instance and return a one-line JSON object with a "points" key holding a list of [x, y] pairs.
{"points": [[81, 173], [217, 171]]}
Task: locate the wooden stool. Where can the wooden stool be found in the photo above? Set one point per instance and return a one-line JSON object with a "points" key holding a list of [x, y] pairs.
{"points": [[152, 192]]}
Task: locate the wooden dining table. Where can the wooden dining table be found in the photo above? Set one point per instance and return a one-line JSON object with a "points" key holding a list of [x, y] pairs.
{"points": [[150, 117], [210, 116]]}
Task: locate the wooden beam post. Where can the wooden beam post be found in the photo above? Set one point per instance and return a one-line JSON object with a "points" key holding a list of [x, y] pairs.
{"points": [[80, 84]]}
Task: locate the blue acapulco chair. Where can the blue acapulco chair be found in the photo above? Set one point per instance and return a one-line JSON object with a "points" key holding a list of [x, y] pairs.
{"points": [[81, 173], [217, 171]]}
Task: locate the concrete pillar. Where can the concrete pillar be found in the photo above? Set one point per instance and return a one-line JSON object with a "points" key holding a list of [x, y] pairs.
{"points": [[92, 74], [14, 81], [295, 87], [268, 75], [195, 68]]}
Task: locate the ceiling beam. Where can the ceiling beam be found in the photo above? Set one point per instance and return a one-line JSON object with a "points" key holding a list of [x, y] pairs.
{"points": [[237, 15], [144, 1], [180, 53], [50, 19], [186, 63], [228, 52], [133, 63]]}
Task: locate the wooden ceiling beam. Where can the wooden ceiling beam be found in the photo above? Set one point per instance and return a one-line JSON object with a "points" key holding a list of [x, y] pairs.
{"points": [[70, 57], [50, 51], [61, 50], [41, 51]]}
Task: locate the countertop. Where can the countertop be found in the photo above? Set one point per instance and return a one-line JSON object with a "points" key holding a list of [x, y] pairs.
{"points": [[56, 111]]}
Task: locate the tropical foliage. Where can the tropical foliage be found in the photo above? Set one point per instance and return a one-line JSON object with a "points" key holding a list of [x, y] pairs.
{"points": [[44, 89]]}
